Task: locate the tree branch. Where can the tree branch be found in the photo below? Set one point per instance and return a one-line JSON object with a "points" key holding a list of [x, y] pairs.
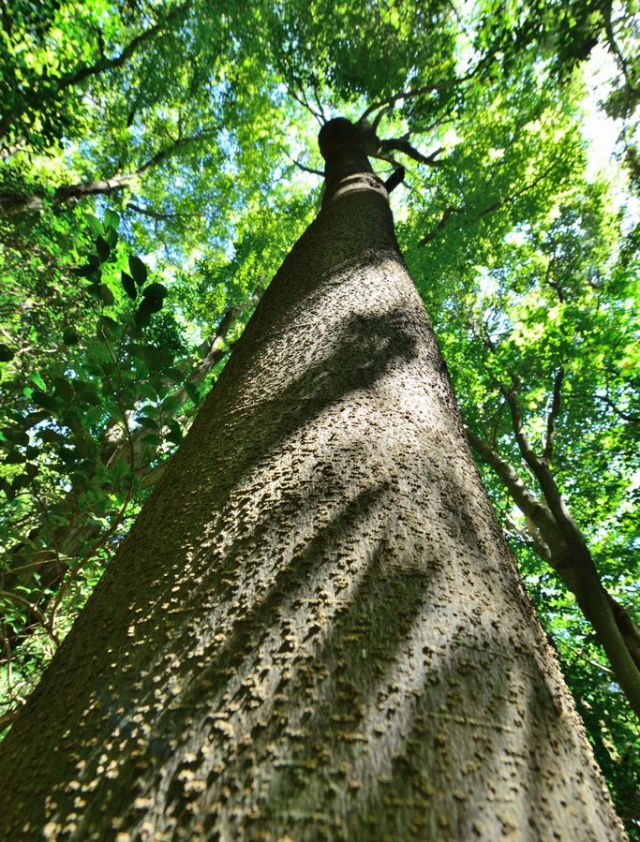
{"points": [[523, 497], [401, 144], [117, 182], [16, 204], [99, 67], [159, 217], [427, 89], [552, 417], [571, 559], [446, 214], [307, 169], [505, 200]]}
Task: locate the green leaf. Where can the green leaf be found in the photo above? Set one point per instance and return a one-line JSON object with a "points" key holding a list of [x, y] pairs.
{"points": [[88, 271], [138, 269], [145, 421], [14, 457], [70, 337], [170, 403], [111, 237], [64, 388], [6, 487], [142, 316], [111, 326], [144, 311], [6, 353], [152, 358], [128, 284], [175, 374], [45, 401], [175, 435], [150, 409], [50, 436], [155, 291], [147, 391], [106, 295], [87, 392], [84, 445], [16, 437], [103, 249], [192, 391], [95, 226], [111, 219], [21, 481], [39, 382], [68, 455], [152, 304], [31, 470]]}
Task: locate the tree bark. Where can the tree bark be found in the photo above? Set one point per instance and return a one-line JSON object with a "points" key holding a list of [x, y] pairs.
{"points": [[315, 630]]}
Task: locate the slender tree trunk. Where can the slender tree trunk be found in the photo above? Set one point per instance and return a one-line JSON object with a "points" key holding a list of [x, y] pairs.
{"points": [[314, 630], [566, 551]]}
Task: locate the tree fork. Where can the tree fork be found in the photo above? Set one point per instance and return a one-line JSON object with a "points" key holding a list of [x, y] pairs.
{"points": [[314, 630]]}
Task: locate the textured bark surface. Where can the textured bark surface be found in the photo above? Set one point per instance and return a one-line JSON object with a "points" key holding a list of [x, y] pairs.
{"points": [[314, 630]]}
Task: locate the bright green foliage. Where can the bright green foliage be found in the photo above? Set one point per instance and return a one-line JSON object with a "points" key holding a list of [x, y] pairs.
{"points": [[153, 159]]}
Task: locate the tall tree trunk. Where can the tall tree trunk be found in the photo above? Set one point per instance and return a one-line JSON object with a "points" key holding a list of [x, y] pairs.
{"points": [[315, 630]]}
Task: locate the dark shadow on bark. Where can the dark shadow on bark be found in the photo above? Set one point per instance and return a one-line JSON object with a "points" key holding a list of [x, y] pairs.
{"points": [[367, 350]]}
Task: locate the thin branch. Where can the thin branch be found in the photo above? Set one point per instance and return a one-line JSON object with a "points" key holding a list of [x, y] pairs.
{"points": [[606, 10], [631, 419], [446, 215], [101, 542], [159, 217], [505, 200], [35, 611], [16, 203], [129, 50], [307, 169], [530, 539], [427, 89], [496, 425], [304, 102], [570, 531], [550, 282], [535, 511], [553, 416], [401, 144], [89, 188], [102, 66]]}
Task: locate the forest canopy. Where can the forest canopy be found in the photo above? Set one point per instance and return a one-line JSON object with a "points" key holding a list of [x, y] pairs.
{"points": [[158, 160]]}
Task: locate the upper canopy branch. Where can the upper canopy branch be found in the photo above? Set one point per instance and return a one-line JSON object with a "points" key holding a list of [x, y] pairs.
{"points": [[389, 102], [501, 202], [101, 66]]}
